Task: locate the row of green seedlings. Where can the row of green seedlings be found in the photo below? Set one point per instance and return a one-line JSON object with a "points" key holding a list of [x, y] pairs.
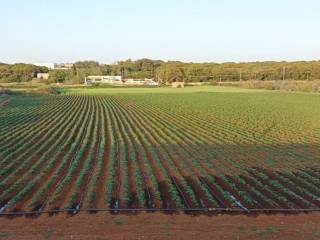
{"points": [[174, 129], [307, 181], [33, 169], [4, 100], [274, 152], [59, 162], [121, 162], [171, 154], [20, 129], [19, 143], [19, 109], [45, 158], [110, 183], [245, 195], [300, 156], [278, 190], [3, 103], [220, 128], [258, 185], [243, 182], [305, 174], [138, 176], [17, 130], [94, 184], [286, 194], [75, 160], [237, 182], [16, 143], [248, 199], [293, 153], [257, 182], [164, 154], [312, 184], [138, 151], [189, 140], [21, 162], [31, 133], [142, 152], [17, 113], [31, 172], [49, 138], [302, 189], [76, 198], [293, 196], [290, 180], [284, 184], [138, 179], [174, 138], [150, 142]]}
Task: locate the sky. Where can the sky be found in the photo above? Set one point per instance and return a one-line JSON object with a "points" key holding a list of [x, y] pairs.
{"points": [[39, 31]]}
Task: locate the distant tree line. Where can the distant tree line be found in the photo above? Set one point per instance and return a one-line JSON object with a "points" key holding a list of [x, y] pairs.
{"points": [[19, 72], [170, 71]]}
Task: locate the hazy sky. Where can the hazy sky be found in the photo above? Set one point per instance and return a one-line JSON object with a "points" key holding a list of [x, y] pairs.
{"points": [[187, 30]]}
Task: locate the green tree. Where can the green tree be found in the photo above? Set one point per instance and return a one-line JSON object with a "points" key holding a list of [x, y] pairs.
{"points": [[58, 76]]}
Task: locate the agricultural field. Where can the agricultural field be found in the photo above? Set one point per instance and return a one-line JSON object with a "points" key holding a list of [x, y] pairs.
{"points": [[204, 148]]}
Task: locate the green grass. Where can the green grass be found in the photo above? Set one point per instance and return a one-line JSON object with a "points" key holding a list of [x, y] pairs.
{"points": [[119, 221], [163, 90]]}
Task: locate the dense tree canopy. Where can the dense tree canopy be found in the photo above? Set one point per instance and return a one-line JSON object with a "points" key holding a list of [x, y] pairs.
{"points": [[169, 71], [19, 72]]}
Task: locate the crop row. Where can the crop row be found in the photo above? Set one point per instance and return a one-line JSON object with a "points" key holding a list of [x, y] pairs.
{"points": [[141, 152]]}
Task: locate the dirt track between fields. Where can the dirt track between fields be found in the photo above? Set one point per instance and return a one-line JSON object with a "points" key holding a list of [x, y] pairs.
{"points": [[162, 226]]}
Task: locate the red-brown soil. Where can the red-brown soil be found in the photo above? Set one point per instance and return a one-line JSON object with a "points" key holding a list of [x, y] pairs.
{"points": [[162, 226]]}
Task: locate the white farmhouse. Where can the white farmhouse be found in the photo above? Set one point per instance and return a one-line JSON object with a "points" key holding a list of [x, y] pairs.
{"points": [[44, 76], [136, 82], [103, 79]]}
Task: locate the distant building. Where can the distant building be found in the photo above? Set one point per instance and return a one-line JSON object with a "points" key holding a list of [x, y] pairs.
{"points": [[135, 82], [58, 66], [103, 79], [63, 66], [131, 81], [44, 76], [178, 84], [151, 82], [117, 80]]}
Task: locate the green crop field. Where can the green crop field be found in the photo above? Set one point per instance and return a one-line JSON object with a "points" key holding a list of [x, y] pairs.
{"points": [[162, 148]]}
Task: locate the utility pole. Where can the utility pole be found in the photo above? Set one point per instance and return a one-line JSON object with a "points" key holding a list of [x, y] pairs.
{"points": [[283, 73], [240, 76]]}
